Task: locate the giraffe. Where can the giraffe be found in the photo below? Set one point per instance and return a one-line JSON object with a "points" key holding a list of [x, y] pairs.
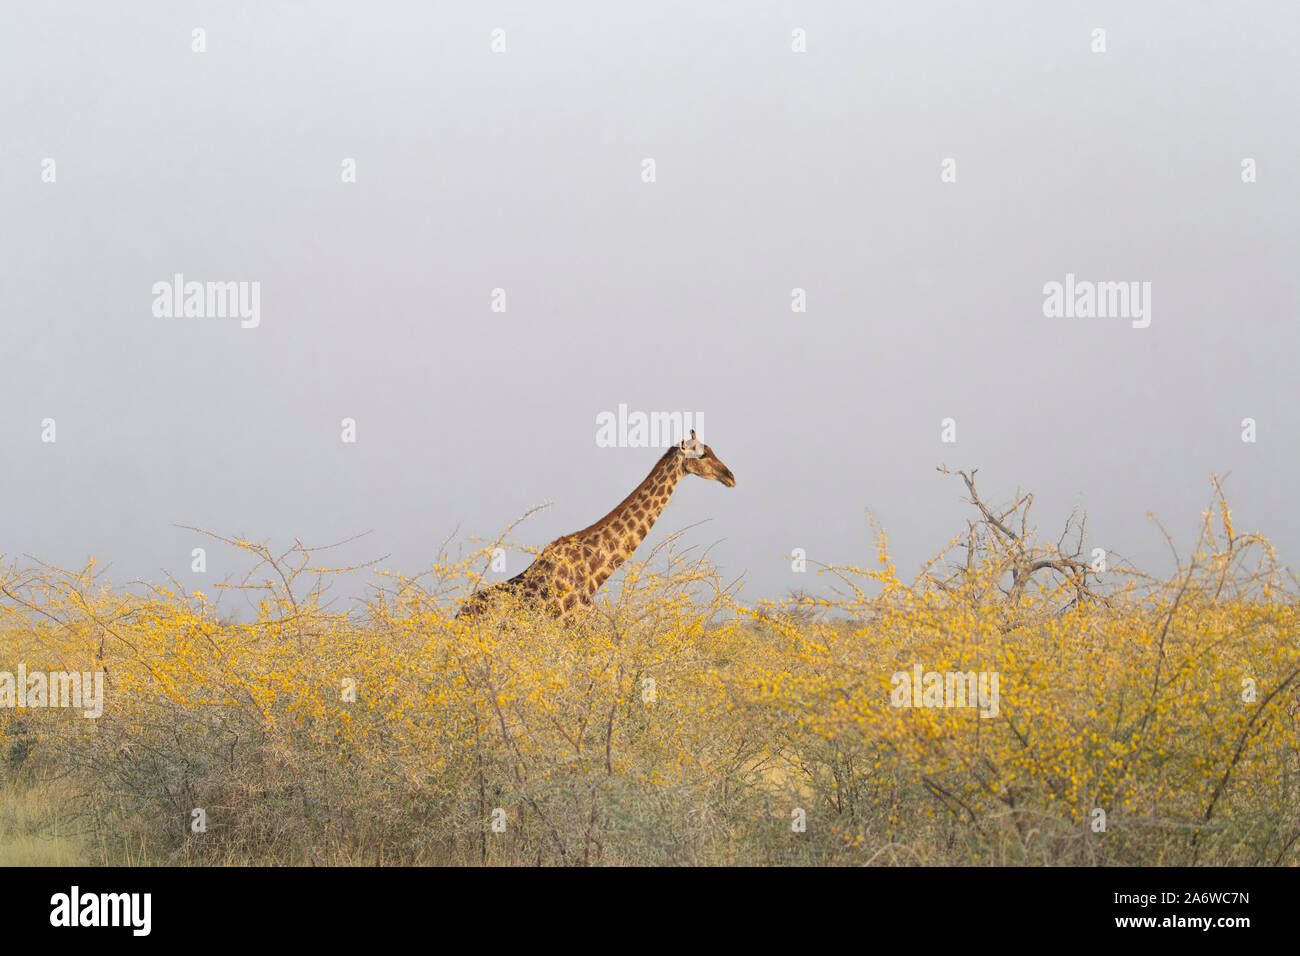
{"points": [[571, 569]]}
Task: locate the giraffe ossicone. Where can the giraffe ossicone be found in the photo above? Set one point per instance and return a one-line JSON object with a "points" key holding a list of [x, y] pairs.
{"points": [[694, 448], [571, 569]]}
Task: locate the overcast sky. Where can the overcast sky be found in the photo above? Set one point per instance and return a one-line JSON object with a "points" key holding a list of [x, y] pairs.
{"points": [[524, 170]]}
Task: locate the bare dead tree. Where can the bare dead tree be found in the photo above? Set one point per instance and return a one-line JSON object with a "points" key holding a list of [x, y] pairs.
{"points": [[1005, 536]]}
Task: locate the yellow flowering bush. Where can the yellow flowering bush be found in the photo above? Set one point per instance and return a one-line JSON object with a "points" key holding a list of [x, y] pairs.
{"points": [[1147, 721]]}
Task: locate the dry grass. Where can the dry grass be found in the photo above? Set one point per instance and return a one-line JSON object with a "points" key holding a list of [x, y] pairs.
{"points": [[37, 824]]}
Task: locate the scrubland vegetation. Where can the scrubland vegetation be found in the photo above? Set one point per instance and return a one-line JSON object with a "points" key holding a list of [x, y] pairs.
{"points": [[1141, 720]]}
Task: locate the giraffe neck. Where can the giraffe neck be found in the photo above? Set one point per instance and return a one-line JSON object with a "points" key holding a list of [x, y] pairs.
{"points": [[620, 532]]}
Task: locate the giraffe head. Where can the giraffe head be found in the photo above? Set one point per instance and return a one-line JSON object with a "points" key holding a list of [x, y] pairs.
{"points": [[699, 459]]}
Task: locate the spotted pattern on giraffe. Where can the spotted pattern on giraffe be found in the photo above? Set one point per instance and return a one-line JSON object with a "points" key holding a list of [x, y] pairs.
{"points": [[572, 568]]}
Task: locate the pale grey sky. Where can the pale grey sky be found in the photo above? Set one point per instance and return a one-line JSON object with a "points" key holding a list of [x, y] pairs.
{"points": [[522, 170]]}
